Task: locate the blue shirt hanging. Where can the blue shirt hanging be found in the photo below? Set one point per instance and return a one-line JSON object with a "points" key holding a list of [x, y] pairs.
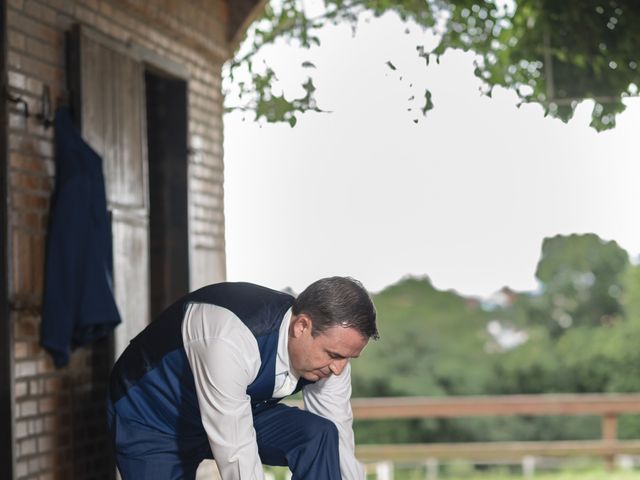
{"points": [[78, 305]]}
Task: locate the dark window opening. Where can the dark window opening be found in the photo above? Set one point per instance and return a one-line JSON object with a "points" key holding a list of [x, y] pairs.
{"points": [[166, 100]]}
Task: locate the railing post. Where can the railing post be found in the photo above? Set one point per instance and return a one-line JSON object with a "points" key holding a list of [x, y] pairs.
{"points": [[384, 471], [528, 466], [432, 467], [609, 434]]}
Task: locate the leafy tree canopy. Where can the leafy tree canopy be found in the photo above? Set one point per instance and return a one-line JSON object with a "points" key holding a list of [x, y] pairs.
{"points": [[582, 328], [432, 343], [582, 280], [554, 53]]}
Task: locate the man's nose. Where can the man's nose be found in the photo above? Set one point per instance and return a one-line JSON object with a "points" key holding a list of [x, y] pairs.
{"points": [[337, 366]]}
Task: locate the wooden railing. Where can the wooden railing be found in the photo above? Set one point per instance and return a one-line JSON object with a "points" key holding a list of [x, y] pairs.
{"points": [[606, 406]]}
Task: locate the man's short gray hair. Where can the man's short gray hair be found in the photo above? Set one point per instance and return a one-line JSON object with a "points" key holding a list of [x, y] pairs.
{"points": [[338, 301]]}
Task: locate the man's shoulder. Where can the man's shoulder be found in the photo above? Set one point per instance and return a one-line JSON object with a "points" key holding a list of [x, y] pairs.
{"points": [[260, 308], [245, 290]]}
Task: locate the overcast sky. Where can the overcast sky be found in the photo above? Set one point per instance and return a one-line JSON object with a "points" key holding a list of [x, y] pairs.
{"points": [[464, 196]]}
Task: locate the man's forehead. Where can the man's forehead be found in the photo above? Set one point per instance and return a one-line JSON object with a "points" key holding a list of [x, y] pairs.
{"points": [[346, 341]]}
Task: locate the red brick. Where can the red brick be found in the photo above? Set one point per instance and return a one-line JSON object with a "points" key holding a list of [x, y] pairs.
{"points": [[34, 87], [92, 4], [29, 221], [26, 182], [37, 261], [26, 368], [22, 468], [25, 200], [106, 9], [21, 264], [51, 424], [47, 404], [35, 387], [33, 464], [42, 70], [16, 40], [27, 446], [17, 80], [37, 350], [85, 15], [30, 145], [43, 51], [26, 328], [45, 364], [21, 389], [37, 425], [21, 350], [33, 28], [39, 11], [17, 121], [47, 459], [53, 385], [63, 6], [27, 408], [21, 429], [14, 60], [30, 163]]}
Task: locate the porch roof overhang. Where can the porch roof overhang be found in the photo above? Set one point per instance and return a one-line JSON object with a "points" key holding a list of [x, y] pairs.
{"points": [[241, 15]]}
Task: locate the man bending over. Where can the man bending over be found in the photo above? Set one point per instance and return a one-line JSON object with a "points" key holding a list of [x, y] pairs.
{"points": [[204, 380]]}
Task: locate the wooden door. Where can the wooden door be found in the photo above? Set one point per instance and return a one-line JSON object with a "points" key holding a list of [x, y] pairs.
{"points": [[107, 85]]}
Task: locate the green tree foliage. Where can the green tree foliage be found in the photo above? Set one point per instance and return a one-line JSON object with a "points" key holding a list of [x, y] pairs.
{"points": [[433, 344], [575, 323], [554, 53], [581, 338], [437, 343], [428, 336], [581, 277], [631, 294]]}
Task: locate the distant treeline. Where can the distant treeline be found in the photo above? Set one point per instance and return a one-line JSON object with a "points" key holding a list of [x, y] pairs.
{"points": [[579, 332]]}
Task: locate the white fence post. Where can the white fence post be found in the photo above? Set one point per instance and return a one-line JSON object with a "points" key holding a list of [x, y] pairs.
{"points": [[432, 467], [384, 471], [528, 466]]}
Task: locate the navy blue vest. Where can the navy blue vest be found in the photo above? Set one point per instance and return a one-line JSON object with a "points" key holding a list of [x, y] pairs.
{"points": [[152, 382]]}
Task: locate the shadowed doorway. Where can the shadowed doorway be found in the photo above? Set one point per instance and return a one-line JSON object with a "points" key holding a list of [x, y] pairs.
{"points": [[166, 100]]}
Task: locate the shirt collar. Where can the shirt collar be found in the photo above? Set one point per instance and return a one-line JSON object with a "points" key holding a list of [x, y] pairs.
{"points": [[283, 363]]}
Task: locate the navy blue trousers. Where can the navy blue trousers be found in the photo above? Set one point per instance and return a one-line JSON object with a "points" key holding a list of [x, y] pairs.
{"points": [[286, 436]]}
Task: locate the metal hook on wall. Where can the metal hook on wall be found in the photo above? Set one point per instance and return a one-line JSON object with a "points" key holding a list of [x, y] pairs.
{"points": [[44, 115], [18, 101]]}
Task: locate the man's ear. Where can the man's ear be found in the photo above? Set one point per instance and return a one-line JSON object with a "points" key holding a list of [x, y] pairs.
{"points": [[301, 323]]}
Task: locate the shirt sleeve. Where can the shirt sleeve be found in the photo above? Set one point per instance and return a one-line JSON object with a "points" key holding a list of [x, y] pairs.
{"points": [[330, 398], [222, 369]]}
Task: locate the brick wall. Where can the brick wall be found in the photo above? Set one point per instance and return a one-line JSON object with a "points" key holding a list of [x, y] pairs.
{"points": [[59, 424]]}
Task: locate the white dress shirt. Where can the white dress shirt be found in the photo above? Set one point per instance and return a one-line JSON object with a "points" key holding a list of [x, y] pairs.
{"points": [[224, 357]]}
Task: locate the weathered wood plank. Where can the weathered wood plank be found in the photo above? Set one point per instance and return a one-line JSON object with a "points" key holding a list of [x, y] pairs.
{"points": [[131, 282], [113, 114], [509, 405], [113, 120], [496, 450]]}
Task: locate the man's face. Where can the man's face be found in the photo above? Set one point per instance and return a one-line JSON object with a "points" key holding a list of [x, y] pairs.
{"points": [[328, 353]]}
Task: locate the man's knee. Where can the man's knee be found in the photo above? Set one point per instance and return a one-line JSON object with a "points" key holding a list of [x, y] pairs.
{"points": [[320, 428]]}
